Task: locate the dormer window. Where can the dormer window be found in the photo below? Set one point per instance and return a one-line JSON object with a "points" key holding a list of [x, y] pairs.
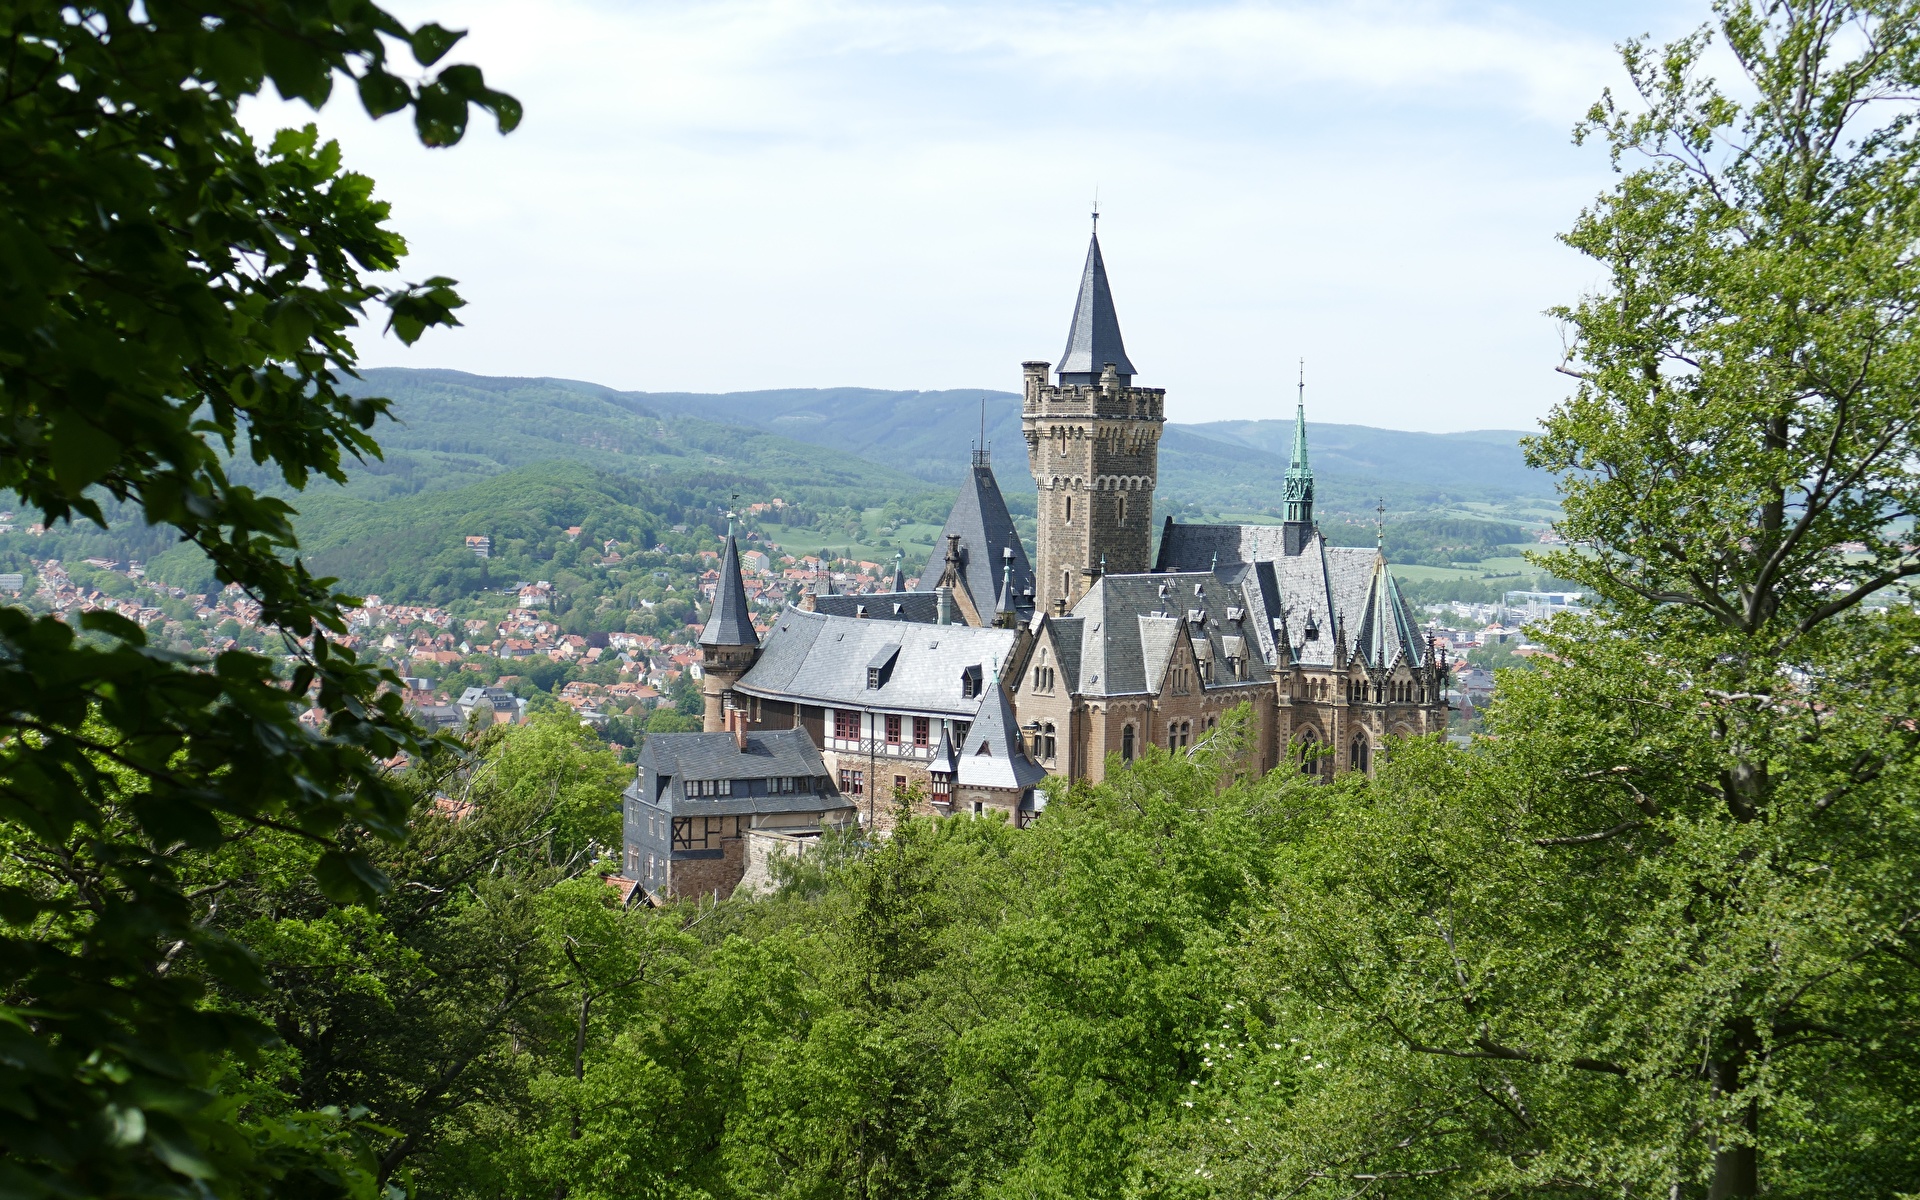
{"points": [[880, 667], [970, 682]]}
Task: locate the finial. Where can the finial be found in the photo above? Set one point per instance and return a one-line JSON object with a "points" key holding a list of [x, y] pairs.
{"points": [[1379, 530], [1303, 380], [1096, 210], [1215, 564], [1103, 566]]}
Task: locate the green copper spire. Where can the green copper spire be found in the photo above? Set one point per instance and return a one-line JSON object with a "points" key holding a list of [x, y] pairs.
{"points": [[1299, 487]]}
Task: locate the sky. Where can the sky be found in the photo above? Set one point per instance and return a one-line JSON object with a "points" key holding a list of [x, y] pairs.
{"points": [[727, 195]]}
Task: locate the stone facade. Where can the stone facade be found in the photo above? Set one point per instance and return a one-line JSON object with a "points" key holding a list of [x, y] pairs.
{"points": [[1094, 451]]}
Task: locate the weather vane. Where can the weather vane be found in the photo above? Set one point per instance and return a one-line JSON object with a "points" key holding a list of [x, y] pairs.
{"points": [[1379, 529]]}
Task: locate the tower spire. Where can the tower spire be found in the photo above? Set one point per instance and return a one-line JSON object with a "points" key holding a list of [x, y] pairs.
{"points": [[1094, 339], [731, 621], [1298, 491]]}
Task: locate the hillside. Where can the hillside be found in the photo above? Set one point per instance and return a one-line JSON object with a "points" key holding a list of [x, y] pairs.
{"points": [[864, 473], [453, 429], [1217, 467]]}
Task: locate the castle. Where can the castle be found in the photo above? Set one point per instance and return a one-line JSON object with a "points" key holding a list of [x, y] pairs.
{"points": [[999, 670]]}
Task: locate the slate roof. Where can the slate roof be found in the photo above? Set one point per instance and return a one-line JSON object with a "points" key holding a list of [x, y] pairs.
{"points": [[985, 529], [1127, 626], [821, 658], [1094, 338], [1289, 596], [731, 622], [919, 607], [994, 754], [769, 755]]}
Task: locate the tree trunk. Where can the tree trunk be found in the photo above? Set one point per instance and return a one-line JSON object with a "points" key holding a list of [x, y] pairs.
{"points": [[1736, 1167]]}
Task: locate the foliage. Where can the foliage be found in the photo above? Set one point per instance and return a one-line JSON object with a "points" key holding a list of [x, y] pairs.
{"points": [[174, 294], [1432, 541], [1656, 935]]}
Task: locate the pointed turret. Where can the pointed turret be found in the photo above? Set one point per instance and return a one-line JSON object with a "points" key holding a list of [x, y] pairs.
{"points": [[995, 755], [941, 768], [731, 621], [899, 583], [729, 643], [1006, 608], [1094, 339], [985, 532]]}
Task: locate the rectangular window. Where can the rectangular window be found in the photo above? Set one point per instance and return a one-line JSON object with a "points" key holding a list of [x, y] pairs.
{"points": [[846, 723], [923, 731], [893, 730], [899, 785], [853, 783]]}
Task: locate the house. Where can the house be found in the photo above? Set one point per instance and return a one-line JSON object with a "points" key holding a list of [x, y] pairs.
{"points": [[491, 704], [438, 718], [703, 806]]}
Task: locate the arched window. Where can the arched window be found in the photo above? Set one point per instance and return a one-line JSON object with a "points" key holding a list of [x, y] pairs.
{"points": [[1047, 744], [1126, 743], [1069, 510], [1357, 753], [1309, 744], [1066, 582], [1173, 735]]}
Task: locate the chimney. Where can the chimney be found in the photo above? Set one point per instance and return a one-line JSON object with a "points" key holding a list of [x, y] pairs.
{"points": [[944, 596], [737, 720]]}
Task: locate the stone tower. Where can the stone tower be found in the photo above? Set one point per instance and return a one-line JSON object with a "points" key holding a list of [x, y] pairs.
{"points": [[729, 643], [1093, 443]]}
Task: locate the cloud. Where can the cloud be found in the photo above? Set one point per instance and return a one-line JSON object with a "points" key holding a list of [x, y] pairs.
{"points": [[759, 193]]}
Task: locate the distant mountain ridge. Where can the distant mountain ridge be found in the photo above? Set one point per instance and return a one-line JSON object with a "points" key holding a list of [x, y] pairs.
{"points": [[1218, 465]]}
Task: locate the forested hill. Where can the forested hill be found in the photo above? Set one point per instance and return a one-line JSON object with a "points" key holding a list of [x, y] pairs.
{"points": [[1220, 466], [452, 429]]}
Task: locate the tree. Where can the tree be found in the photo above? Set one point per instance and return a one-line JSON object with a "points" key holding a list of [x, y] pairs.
{"points": [[1657, 935], [1740, 471], [174, 293], [429, 1001]]}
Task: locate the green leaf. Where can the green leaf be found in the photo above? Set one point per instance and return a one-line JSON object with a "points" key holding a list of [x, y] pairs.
{"points": [[101, 620], [348, 877], [381, 93], [81, 452], [431, 42]]}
